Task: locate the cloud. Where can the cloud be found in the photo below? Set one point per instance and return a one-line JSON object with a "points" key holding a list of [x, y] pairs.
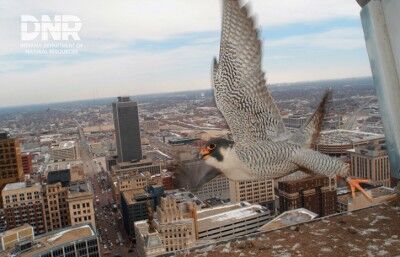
{"points": [[138, 73], [127, 20], [344, 38], [147, 46]]}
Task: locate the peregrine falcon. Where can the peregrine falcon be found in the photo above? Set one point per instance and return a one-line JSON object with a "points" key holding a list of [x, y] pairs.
{"points": [[261, 146]]}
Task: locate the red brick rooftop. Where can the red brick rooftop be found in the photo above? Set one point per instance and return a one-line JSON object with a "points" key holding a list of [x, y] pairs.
{"points": [[374, 231]]}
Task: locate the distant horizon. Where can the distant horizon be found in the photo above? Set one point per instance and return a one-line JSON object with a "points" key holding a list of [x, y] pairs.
{"points": [[2, 108], [149, 46]]}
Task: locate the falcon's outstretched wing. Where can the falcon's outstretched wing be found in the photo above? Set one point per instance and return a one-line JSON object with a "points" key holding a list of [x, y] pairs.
{"points": [[309, 133], [239, 84]]}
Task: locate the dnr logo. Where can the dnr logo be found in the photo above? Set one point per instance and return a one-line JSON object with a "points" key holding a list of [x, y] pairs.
{"points": [[60, 28]]}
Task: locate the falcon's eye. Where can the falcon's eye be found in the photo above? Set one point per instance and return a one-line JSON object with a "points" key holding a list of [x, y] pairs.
{"points": [[211, 146]]}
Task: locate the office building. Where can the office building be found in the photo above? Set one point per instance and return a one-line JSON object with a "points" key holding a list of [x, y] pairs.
{"points": [[11, 169], [64, 151], [3, 224], [371, 162], [27, 162], [24, 204], [232, 220], [337, 142], [380, 20], [134, 182], [80, 240], [111, 161], [294, 121], [148, 241], [127, 130], [56, 206], [315, 193], [80, 203], [165, 179], [176, 226], [218, 188], [169, 230], [259, 191], [134, 206], [150, 125], [65, 172], [141, 166], [183, 196]]}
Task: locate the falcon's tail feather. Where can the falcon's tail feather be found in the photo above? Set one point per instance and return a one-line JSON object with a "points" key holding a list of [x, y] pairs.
{"points": [[309, 133]]}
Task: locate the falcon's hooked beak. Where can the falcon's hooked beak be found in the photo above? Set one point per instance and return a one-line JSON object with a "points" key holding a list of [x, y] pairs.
{"points": [[204, 153]]}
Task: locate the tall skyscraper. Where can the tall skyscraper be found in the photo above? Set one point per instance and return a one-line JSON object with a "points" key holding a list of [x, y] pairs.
{"points": [[127, 130], [10, 160]]}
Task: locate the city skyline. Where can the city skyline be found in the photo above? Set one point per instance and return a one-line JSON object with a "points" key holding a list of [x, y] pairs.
{"points": [[177, 41]]}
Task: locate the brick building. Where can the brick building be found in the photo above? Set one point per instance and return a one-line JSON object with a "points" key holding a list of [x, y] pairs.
{"points": [[27, 162], [315, 193], [10, 160], [23, 204]]}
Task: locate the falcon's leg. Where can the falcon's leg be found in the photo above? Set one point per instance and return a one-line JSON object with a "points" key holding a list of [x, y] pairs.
{"points": [[319, 163], [355, 184]]}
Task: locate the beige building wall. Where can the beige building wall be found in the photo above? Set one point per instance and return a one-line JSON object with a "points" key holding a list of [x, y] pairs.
{"points": [[218, 187], [23, 203], [65, 151], [81, 208], [177, 232], [372, 164], [253, 191], [148, 243], [132, 181]]}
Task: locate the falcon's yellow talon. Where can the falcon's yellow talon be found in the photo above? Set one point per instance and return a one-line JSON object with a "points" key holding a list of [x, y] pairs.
{"points": [[355, 184]]}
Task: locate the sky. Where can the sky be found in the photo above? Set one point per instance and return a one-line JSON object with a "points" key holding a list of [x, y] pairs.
{"points": [[132, 47]]}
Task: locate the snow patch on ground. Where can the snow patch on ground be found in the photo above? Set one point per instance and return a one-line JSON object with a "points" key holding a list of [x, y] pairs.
{"points": [[294, 247], [227, 248], [368, 231], [326, 249], [378, 218]]}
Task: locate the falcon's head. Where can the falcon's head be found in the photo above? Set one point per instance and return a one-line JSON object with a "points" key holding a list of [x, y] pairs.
{"points": [[214, 149]]}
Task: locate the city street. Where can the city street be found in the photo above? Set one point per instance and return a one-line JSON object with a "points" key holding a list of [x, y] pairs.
{"points": [[113, 239]]}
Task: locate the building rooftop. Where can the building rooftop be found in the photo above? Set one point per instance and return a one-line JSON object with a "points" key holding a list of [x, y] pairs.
{"points": [[182, 196], [79, 187], [289, 218], [19, 185], [12, 231], [53, 239], [64, 145], [62, 176], [373, 231], [375, 192], [133, 165], [231, 213], [3, 135], [132, 196], [344, 137], [62, 165]]}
